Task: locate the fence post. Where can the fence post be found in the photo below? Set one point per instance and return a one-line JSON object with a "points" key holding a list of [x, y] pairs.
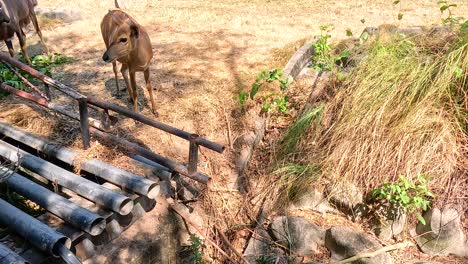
{"points": [[193, 154], [84, 124], [47, 91]]}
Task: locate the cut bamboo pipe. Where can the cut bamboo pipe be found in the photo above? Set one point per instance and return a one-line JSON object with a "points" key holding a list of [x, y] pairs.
{"points": [[117, 176], [117, 202], [75, 215]]}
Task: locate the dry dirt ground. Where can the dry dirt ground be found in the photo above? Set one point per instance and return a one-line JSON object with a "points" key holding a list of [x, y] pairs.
{"points": [[205, 52]]}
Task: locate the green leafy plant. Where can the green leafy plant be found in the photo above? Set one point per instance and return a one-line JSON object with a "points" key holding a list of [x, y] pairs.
{"points": [[275, 102], [242, 97], [272, 101], [406, 195], [196, 250], [273, 75], [42, 63], [464, 26], [45, 63], [324, 60], [446, 9]]}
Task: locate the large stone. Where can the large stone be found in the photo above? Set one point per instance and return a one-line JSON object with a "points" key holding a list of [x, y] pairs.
{"points": [[313, 200], [442, 234], [260, 248], [392, 225], [299, 235], [345, 196], [65, 15], [344, 243], [298, 61]]}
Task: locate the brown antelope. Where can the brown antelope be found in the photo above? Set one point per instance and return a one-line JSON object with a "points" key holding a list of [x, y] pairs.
{"points": [[128, 43], [14, 16]]}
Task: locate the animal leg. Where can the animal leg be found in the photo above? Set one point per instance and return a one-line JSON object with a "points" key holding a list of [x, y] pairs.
{"points": [[134, 90], [10, 47], [150, 91], [114, 67], [124, 72], [22, 41], [38, 29]]}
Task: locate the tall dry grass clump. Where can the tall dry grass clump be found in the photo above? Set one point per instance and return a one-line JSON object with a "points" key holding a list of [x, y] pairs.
{"points": [[402, 111]]}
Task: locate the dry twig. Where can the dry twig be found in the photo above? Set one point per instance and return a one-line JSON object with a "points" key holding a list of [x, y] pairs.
{"points": [[233, 249], [229, 134], [375, 253]]}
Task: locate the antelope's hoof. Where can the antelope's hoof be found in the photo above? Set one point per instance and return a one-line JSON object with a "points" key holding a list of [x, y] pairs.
{"points": [[155, 113]]}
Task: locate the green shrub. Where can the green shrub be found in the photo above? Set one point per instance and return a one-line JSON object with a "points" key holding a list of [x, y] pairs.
{"points": [[405, 195]]}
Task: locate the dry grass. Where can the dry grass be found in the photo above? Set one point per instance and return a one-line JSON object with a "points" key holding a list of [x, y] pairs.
{"points": [[402, 111]]}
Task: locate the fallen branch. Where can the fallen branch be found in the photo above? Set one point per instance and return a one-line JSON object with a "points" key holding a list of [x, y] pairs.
{"points": [[229, 133], [375, 253], [233, 249]]}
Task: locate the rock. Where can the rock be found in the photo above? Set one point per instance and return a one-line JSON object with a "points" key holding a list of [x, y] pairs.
{"points": [[392, 225], [261, 249], [298, 235], [65, 15], [298, 61], [346, 196], [313, 200], [344, 242], [442, 234]]}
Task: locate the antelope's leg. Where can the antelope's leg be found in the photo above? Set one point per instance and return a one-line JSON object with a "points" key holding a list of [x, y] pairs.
{"points": [[10, 47], [38, 29], [150, 91], [114, 67], [22, 41], [134, 90], [124, 72]]}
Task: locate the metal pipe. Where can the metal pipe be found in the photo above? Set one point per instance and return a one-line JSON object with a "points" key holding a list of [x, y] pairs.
{"points": [[84, 124], [77, 216], [153, 170], [122, 178], [39, 75], [58, 108], [88, 189], [31, 229], [158, 169], [23, 94], [134, 148], [141, 118], [8, 256], [193, 154], [106, 171], [131, 147], [67, 255]]}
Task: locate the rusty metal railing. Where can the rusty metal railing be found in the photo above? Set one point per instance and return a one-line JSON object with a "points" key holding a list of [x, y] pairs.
{"points": [[99, 129]]}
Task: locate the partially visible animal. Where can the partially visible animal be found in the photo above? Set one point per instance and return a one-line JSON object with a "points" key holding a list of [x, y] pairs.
{"points": [[128, 43], [14, 16]]}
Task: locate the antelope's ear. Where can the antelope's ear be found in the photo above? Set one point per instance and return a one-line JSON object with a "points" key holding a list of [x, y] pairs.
{"points": [[134, 31]]}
